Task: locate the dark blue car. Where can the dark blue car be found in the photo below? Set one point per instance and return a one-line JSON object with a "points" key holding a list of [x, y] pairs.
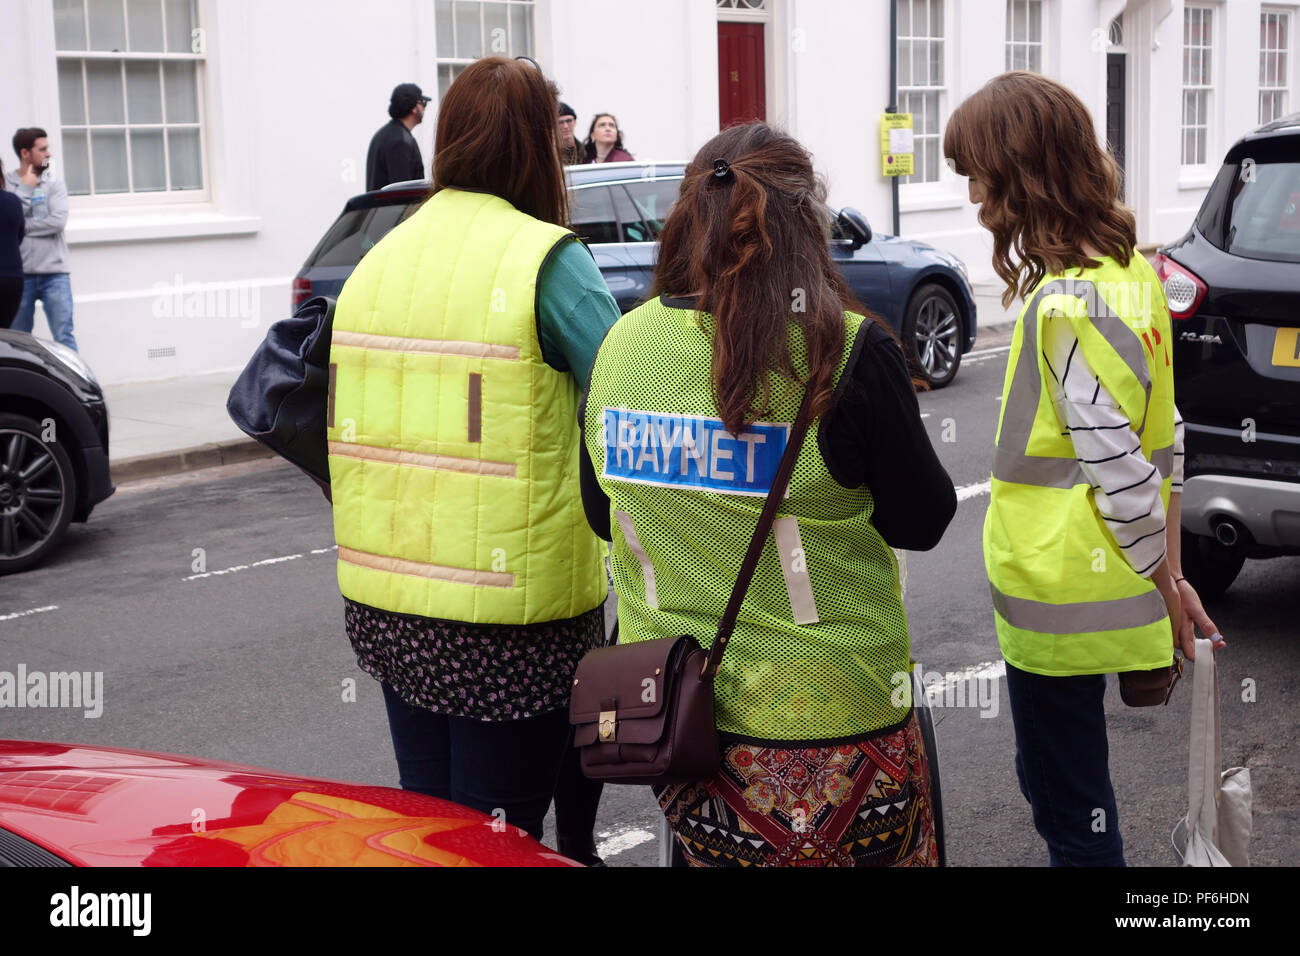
{"points": [[619, 209]]}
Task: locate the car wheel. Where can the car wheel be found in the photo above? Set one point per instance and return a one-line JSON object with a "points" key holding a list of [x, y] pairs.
{"points": [[38, 491], [1208, 565], [933, 327]]}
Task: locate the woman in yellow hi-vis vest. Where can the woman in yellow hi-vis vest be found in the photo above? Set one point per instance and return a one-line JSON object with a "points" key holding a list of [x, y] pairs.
{"points": [[687, 416], [460, 347], [1088, 452]]}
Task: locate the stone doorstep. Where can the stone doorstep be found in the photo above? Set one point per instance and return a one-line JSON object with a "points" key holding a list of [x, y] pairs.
{"points": [[180, 460]]}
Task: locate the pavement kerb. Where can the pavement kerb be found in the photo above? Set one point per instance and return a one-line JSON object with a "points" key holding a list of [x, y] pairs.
{"points": [[180, 460]]}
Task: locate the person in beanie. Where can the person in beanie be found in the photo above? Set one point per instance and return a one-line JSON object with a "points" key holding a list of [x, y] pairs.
{"points": [[570, 148], [394, 154]]}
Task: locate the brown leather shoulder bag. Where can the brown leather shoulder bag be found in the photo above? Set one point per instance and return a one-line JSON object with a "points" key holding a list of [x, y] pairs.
{"points": [[643, 712]]}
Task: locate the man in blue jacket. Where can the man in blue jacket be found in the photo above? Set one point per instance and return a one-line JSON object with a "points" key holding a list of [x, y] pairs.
{"points": [[44, 249]]}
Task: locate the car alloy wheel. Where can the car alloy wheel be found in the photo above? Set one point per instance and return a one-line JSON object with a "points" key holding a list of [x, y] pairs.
{"points": [[37, 492], [933, 325]]}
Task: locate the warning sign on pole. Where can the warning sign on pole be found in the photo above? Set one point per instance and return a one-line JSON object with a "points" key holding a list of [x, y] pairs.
{"points": [[896, 149]]}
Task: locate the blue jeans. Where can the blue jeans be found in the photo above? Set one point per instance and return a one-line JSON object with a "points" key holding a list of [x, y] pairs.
{"points": [[55, 292], [505, 766], [1062, 762]]}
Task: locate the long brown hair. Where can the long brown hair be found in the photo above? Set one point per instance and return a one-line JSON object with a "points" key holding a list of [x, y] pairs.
{"points": [[752, 245], [496, 133], [1049, 185]]}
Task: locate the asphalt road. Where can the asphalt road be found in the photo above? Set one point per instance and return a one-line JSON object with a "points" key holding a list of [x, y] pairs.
{"points": [[207, 651]]}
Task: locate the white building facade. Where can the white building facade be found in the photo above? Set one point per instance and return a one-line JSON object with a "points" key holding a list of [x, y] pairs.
{"points": [[208, 144]]}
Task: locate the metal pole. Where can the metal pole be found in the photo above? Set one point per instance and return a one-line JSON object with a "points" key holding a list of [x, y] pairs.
{"points": [[893, 91]]}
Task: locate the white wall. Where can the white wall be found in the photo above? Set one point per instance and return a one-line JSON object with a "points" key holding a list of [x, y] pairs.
{"points": [[654, 66]]}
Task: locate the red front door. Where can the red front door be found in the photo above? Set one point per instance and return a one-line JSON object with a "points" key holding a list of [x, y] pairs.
{"points": [[742, 82]]}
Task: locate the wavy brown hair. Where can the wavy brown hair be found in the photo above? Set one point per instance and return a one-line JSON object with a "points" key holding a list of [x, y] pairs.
{"points": [[1049, 185], [752, 246], [496, 134]]}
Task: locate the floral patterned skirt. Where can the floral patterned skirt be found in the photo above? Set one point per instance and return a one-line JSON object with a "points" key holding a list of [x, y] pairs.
{"points": [[485, 671], [857, 804]]}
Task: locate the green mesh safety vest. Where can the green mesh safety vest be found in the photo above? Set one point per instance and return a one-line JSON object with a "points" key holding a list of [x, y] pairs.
{"points": [[1065, 599], [453, 446], [820, 649]]}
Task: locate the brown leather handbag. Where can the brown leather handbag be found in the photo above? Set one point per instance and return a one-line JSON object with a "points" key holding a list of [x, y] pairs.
{"points": [[1150, 688], [643, 712]]}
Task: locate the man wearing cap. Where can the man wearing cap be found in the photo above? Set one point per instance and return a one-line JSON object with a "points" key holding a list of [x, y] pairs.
{"points": [[570, 148], [394, 155]]}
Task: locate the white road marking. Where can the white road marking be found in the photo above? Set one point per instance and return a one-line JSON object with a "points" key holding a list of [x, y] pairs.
{"points": [[258, 564], [976, 353], [973, 491], [989, 670], [613, 843], [35, 610]]}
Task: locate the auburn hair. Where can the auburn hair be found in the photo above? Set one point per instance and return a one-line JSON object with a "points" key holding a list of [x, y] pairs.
{"points": [[496, 134], [752, 245], [1050, 187]]}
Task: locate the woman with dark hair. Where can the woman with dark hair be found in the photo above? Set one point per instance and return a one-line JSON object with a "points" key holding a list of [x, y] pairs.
{"points": [[686, 417], [12, 230], [1081, 539], [604, 143], [460, 347]]}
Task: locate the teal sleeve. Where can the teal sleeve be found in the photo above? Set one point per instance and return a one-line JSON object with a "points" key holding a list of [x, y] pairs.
{"points": [[575, 310]]}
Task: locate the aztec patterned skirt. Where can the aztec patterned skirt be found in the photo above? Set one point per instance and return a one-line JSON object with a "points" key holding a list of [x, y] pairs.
{"points": [[858, 804]]}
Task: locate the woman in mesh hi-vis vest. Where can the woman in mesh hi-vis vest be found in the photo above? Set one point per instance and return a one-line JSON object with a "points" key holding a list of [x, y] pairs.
{"points": [[686, 418]]}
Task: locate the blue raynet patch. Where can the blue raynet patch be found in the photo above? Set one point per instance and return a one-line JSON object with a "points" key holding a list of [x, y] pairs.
{"points": [[688, 451]]}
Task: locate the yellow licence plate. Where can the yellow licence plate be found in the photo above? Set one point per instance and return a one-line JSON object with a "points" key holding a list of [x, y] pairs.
{"points": [[1286, 348]]}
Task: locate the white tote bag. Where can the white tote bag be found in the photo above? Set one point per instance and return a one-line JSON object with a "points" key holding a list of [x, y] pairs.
{"points": [[1216, 830]]}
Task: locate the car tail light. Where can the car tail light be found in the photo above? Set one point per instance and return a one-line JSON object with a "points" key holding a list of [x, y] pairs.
{"points": [[1184, 289], [301, 292]]}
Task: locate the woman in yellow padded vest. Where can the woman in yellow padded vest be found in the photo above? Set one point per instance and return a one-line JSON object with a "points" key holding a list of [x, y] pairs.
{"points": [[1081, 535], [685, 421], [460, 347]]}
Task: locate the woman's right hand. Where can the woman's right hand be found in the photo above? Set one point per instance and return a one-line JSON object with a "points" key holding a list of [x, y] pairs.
{"points": [[1194, 616]]}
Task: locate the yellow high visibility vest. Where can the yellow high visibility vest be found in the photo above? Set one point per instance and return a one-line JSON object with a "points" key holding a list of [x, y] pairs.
{"points": [[820, 650], [453, 446], [1065, 599]]}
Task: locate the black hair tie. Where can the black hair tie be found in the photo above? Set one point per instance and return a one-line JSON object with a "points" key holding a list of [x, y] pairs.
{"points": [[721, 169]]}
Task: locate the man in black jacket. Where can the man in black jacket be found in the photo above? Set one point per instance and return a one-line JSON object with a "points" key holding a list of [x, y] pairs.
{"points": [[394, 155]]}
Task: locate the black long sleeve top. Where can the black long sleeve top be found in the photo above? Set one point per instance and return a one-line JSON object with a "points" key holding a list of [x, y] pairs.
{"points": [[872, 436]]}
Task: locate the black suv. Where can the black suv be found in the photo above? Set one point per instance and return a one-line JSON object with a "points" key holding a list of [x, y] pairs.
{"points": [[53, 447], [1233, 285]]}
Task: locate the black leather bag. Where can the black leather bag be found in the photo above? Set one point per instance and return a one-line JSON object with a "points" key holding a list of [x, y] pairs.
{"points": [[282, 396]]}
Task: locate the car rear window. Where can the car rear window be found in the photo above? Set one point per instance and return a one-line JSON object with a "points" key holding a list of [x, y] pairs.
{"points": [[1258, 216], [355, 233]]}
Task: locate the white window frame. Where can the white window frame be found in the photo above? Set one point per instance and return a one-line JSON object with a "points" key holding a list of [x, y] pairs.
{"points": [[457, 63], [155, 198], [1283, 63], [940, 184], [1205, 116], [1017, 8]]}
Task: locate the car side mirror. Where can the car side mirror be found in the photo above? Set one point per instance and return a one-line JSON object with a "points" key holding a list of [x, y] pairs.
{"points": [[855, 225]]}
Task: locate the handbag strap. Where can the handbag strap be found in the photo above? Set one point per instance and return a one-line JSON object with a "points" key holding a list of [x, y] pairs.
{"points": [[770, 507]]}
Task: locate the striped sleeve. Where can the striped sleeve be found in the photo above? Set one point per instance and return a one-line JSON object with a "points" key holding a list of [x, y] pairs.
{"points": [[1176, 485], [1126, 485]]}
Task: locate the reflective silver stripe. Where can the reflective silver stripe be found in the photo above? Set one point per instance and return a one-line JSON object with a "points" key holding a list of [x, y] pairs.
{"points": [[396, 343], [423, 569], [1010, 461], [1086, 617], [794, 565], [1163, 458], [638, 552]]}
